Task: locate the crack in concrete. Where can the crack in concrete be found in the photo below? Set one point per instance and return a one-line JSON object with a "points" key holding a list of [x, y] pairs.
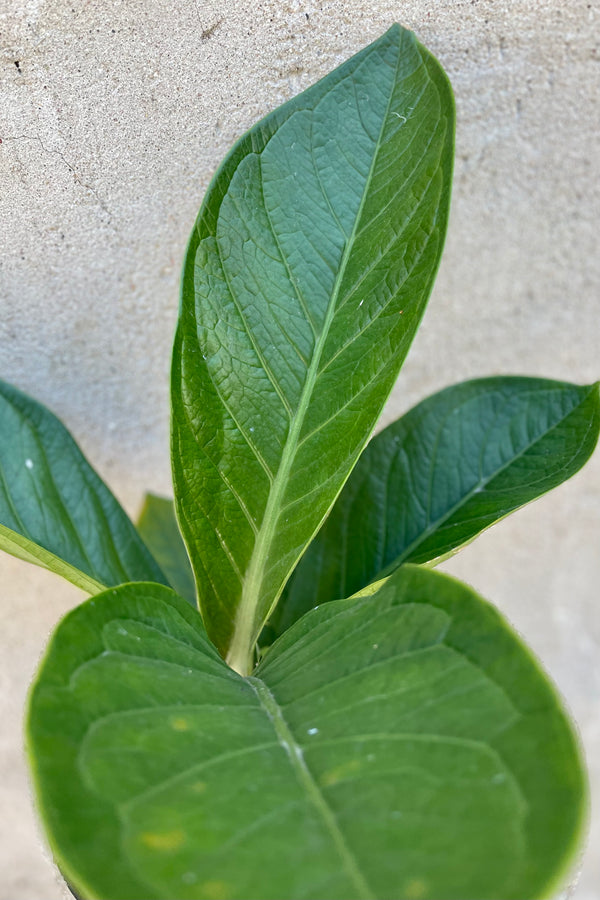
{"points": [[206, 33], [77, 177]]}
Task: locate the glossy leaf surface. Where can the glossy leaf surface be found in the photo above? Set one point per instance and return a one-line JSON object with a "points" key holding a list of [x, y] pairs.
{"points": [[306, 277], [159, 530], [54, 510], [431, 481], [404, 745]]}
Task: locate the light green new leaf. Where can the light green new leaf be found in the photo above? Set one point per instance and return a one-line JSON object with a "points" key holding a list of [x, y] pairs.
{"points": [[158, 528], [434, 479], [54, 510], [306, 277], [404, 745]]}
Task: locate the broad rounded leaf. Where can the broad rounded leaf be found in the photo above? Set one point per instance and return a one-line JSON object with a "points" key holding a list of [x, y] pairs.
{"points": [[54, 510], [158, 528], [404, 745], [437, 477], [306, 277]]}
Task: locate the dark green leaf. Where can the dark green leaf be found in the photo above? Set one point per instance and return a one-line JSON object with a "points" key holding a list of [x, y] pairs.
{"points": [[158, 527], [430, 482], [54, 510], [404, 745], [306, 277]]}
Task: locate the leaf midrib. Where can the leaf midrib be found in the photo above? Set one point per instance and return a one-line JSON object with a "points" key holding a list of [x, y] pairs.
{"points": [[22, 547], [242, 640], [294, 751]]}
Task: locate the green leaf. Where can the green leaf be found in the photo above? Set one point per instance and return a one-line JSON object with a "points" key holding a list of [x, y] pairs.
{"points": [[433, 480], [158, 528], [404, 745], [306, 277], [54, 510]]}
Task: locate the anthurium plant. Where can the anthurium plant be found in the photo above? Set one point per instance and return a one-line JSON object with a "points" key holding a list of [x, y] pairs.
{"points": [[271, 694]]}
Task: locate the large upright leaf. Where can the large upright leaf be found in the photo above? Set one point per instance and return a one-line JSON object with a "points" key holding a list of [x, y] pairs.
{"points": [[54, 510], [306, 277], [434, 479], [404, 746]]}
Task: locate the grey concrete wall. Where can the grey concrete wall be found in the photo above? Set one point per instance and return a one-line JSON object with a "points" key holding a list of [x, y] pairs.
{"points": [[113, 115]]}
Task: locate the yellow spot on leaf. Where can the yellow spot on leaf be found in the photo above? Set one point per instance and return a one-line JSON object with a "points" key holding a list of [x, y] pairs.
{"points": [[415, 889], [198, 787], [165, 840], [340, 772], [215, 890], [180, 724]]}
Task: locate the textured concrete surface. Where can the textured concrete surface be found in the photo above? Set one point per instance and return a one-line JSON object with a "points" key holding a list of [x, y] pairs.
{"points": [[113, 116]]}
